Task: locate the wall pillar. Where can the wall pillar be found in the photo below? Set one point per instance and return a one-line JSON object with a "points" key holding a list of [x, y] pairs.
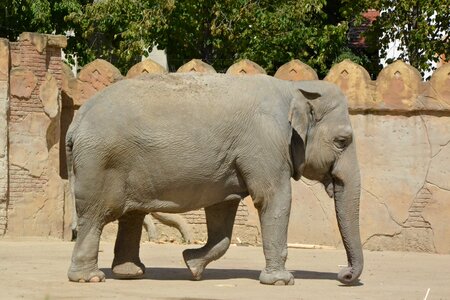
{"points": [[4, 90], [36, 191]]}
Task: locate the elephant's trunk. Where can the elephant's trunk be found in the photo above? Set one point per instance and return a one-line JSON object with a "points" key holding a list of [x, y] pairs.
{"points": [[347, 190]]}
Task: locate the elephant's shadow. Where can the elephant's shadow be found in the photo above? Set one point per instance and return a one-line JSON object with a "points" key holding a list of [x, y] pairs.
{"points": [[168, 273]]}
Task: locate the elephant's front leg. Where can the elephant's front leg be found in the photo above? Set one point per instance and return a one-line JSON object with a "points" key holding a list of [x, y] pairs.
{"points": [[274, 213], [219, 221], [126, 263]]}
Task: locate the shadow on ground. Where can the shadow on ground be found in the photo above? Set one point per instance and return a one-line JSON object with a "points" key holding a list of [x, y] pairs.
{"points": [[159, 273]]}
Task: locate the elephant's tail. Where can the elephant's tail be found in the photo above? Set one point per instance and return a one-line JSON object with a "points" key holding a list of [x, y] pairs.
{"points": [[69, 161], [71, 177]]}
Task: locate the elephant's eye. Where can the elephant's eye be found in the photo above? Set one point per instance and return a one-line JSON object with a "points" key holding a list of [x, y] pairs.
{"points": [[341, 142]]}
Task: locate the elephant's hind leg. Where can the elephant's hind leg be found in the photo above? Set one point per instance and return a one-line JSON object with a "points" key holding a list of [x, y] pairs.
{"points": [[84, 267], [219, 221], [176, 221], [126, 263]]}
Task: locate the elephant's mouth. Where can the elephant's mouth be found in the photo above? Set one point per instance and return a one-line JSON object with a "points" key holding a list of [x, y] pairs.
{"points": [[328, 183]]}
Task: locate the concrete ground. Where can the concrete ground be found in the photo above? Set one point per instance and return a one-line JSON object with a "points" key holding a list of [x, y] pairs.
{"points": [[36, 269]]}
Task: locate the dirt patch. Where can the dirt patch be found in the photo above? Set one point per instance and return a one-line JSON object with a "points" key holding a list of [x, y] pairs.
{"points": [[36, 269]]}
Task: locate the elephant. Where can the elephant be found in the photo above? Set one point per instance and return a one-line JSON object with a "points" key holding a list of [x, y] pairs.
{"points": [[179, 142]]}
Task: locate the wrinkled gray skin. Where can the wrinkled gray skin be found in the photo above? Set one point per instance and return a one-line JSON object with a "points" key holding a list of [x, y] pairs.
{"points": [[174, 143], [172, 220]]}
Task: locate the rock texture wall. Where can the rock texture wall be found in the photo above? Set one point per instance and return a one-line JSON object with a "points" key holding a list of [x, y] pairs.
{"points": [[401, 125], [36, 192], [4, 91], [402, 131], [405, 181]]}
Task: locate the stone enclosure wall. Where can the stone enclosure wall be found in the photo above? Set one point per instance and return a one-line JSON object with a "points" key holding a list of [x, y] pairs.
{"points": [[31, 191], [401, 124]]}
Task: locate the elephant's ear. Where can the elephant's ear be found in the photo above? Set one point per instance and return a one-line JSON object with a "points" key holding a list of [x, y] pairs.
{"points": [[301, 113], [301, 118], [310, 95]]}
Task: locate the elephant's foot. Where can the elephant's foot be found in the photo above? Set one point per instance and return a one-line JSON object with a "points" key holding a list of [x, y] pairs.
{"points": [[276, 277], [128, 270], [91, 275], [195, 262]]}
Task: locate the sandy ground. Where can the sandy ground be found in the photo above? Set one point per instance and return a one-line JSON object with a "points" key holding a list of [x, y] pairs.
{"points": [[36, 269]]}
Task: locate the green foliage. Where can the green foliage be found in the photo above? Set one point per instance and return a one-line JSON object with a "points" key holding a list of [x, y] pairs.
{"points": [[219, 32], [46, 16], [347, 53], [119, 31], [421, 26], [270, 33]]}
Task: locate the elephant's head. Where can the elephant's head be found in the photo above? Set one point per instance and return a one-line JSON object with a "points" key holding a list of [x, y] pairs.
{"points": [[323, 149]]}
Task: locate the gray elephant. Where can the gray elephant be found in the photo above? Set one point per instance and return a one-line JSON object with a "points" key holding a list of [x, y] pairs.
{"points": [[175, 143]]}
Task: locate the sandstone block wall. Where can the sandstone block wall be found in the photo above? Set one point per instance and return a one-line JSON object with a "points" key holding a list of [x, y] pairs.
{"points": [[36, 192], [4, 91], [401, 125], [402, 133]]}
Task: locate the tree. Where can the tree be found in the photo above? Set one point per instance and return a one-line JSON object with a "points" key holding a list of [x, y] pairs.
{"points": [[130, 28], [267, 32], [358, 14], [420, 26], [46, 16], [218, 32]]}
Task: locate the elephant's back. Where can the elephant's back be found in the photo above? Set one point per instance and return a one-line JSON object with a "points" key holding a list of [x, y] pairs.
{"points": [[186, 99], [155, 112], [164, 129], [189, 88]]}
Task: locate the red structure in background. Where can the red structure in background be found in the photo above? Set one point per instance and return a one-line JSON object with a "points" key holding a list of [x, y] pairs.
{"points": [[356, 39]]}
